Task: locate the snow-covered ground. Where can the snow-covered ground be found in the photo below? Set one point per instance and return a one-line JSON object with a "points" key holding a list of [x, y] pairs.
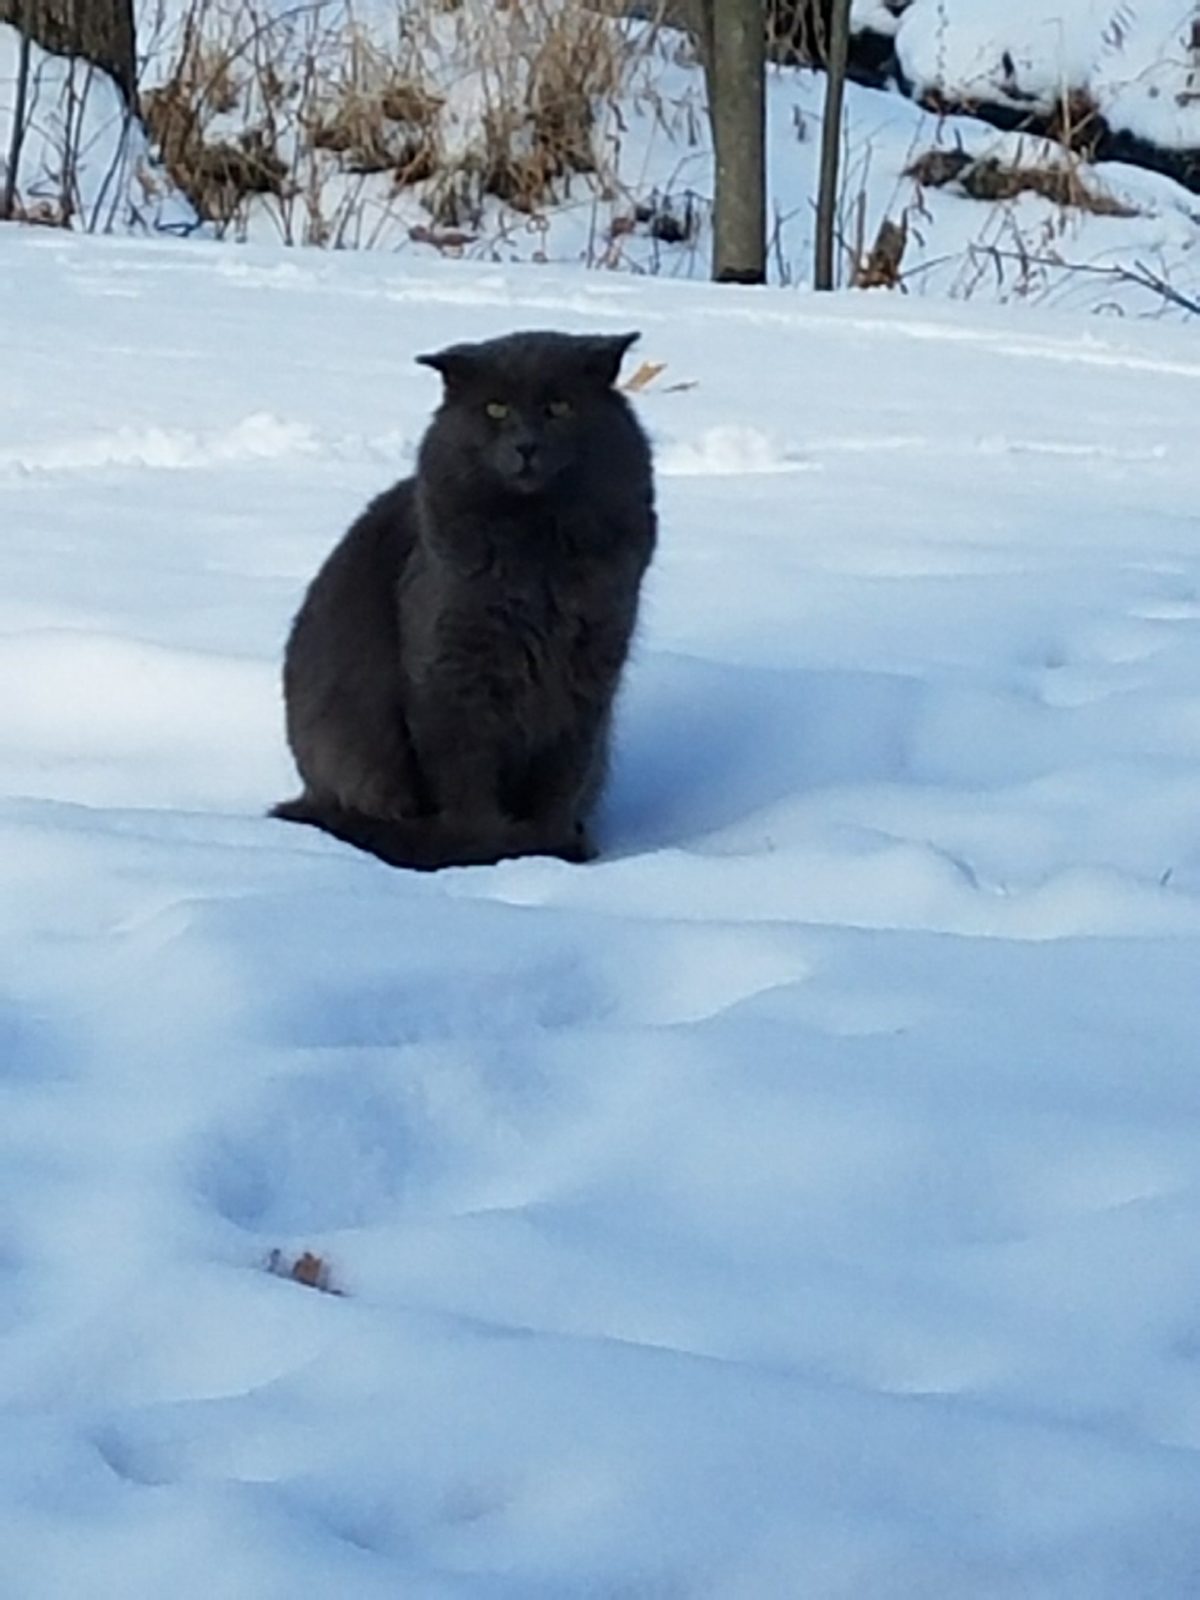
{"points": [[803, 1200]]}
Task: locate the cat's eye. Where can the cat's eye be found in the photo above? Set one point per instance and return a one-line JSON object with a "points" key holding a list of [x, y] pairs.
{"points": [[497, 410], [559, 408]]}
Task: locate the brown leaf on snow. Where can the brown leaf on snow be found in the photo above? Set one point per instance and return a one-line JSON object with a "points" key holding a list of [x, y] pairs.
{"points": [[309, 1269]]}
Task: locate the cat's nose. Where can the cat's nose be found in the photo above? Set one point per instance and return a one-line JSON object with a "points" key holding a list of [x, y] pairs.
{"points": [[526, 451]]}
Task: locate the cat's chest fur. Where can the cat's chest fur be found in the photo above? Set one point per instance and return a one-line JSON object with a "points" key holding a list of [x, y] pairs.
{"points": [[529, 626]]}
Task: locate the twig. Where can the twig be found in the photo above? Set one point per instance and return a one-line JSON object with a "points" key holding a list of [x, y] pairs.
{"points": [[117, 167], [1140, 276], [926, 266], [1151, 280]]}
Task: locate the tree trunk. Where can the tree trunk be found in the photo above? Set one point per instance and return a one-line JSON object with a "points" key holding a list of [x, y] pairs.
{"points": [[101, 31], [831, 143], [798, 32], [735, 68]]}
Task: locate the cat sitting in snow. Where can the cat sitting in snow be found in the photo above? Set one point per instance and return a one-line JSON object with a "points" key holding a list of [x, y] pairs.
{"points": [[449, 679]]}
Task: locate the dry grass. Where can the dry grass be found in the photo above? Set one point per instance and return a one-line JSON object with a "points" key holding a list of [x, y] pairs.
{"points": [[881, 267], [368, 139], [992, 180], [39, 214], [1076, 123], [470, 100], [312, 1271], [217, 172], [217, 175]]}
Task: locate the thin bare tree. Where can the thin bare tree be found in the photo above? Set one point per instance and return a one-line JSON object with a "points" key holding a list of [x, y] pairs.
{"points": [[831, 143], [16, 134]]}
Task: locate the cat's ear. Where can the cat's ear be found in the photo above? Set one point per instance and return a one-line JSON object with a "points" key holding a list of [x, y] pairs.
{"points": [[601, 356], [458, 363]]}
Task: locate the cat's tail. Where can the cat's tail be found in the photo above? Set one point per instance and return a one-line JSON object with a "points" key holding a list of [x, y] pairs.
{"points": [[425, 844], [420, 844], [397, 843]]}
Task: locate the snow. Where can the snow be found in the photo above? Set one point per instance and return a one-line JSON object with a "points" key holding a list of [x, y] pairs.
{"points": [[1137, 61], [875, 16], [802, 1199]]}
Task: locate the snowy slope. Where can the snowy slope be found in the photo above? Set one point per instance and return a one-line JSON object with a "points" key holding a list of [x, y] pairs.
{"points": [[800, 1201], [650, 142]]}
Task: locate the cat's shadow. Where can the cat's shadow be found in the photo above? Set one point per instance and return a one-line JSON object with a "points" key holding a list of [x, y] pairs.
{"points": [[704, 745]]}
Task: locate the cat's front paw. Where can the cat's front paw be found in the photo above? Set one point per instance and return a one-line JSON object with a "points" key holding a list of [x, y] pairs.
{"points": [[585, 847], [576, 848]]}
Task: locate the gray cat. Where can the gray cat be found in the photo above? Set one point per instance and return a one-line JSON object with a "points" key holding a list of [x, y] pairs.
{"points": [[450, 676]]}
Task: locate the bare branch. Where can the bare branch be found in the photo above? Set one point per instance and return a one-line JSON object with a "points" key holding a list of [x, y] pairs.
{"points": [[1139, 275]]}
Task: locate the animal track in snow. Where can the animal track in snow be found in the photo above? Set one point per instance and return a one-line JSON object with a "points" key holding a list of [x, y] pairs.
{"points": [[727, 451], [259, 437]]}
